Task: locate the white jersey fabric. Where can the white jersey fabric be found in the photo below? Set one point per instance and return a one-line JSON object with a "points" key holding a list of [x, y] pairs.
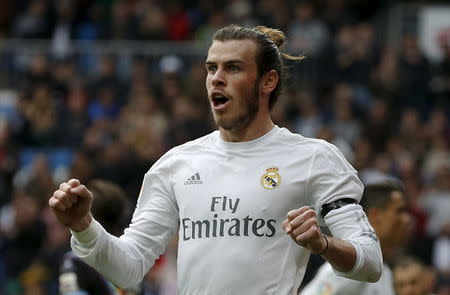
{"points": [[227, 201], [326, 282]]}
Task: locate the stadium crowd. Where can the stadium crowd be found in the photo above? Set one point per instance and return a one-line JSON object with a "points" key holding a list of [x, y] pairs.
{"points": [[386, 108]]}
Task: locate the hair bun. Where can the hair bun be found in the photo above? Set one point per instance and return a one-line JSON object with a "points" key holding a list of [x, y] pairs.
{"points": [[275, 35]]}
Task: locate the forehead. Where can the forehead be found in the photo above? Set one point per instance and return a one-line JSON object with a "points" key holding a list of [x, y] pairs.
{"points": [[397, 199], [223, 51], [408, 272]]}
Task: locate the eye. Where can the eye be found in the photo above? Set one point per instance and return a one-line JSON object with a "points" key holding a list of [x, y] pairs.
{"points": [[233, 68], [211, 69]]}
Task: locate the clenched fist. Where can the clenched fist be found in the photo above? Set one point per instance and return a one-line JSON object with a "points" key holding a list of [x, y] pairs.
{"points": [[71, 204], [301, 224]]}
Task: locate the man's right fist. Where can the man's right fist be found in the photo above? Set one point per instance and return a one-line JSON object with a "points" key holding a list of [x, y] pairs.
{"points": [[71, 204]]}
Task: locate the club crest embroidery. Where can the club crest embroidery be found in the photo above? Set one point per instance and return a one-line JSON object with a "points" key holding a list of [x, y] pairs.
{"points": [[271, 179]]}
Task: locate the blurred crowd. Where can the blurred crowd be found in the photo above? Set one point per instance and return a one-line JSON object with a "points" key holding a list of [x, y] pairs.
{"points": [[67, 116]]}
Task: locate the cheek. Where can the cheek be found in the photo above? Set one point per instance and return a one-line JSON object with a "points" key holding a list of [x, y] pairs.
{"points": [[208, 80]]}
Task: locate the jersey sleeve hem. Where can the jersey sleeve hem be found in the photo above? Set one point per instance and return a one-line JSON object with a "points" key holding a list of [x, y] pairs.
{"points": [[89, 234]]}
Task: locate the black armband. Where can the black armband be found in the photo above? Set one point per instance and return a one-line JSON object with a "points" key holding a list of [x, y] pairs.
{"points": [[326, 208]]}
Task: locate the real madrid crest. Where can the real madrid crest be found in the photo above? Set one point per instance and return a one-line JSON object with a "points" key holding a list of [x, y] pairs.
{"points": [[271, 179]]}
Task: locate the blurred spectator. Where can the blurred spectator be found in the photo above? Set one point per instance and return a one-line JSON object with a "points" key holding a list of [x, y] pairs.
{"points": [[38, 72], [309, 119], [436, 202], [378, 125], [74, 118], [386, 81], [82, 167], [204, 33], [240, 12], [123, 22], [104, 106], [188, 121], [307, 33], [152, 23], [64, 29], [326, 133], [141, 112], [414, 69], [22, 234], [363, 154], [441, 258], [106, 75], [38, 173], [336, 14], [440, 81], [410, 277], [33, 22], [344, 123], [41, 120], [439, 124], [8, 161], [355, 56], [178, 22], [438, 154], [92, 27], [63, 73]]}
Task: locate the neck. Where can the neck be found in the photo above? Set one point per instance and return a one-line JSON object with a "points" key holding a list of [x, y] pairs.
{"points": [[253, 130]]}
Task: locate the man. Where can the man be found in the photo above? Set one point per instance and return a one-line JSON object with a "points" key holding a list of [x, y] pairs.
{"points": [[228, 193], [411, 277], [386, 209], [111, 208]]}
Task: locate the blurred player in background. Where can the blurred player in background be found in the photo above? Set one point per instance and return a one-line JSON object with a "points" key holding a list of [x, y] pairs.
{"points": [[240, 198], [412, 277], [112, 209], [386, 208]]}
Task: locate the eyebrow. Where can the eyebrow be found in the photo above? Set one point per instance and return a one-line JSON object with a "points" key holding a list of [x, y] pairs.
{"points": [[233, 61]]}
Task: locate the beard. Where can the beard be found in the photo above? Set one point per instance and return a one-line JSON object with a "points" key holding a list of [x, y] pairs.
{"points": [[246, 115]]}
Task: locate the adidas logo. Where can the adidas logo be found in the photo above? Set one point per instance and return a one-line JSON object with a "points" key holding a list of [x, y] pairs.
{"points": [[194, 179]]}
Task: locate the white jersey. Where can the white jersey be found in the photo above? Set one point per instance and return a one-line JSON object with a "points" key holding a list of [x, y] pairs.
{"points": [[227, 201], [326, 282]]}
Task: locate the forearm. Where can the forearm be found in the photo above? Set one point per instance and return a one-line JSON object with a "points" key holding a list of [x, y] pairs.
{"points": [[355, 240], [123, 261], [112, 258], [340, 254]]}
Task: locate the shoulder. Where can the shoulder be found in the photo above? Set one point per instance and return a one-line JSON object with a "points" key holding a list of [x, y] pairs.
{"points": [[193, 147], [314, 146], [296, 139]]}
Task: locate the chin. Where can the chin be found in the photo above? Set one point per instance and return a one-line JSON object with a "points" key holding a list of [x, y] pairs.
{"points": [[232, 123], [224, 124]]}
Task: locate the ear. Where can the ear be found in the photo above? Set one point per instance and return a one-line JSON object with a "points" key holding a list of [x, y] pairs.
{"points": [[269, 81]]}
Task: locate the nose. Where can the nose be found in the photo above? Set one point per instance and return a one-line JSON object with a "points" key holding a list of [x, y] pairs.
{"points": [[218, 78]]}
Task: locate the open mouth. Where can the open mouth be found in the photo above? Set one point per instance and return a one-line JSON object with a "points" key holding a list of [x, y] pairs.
{"points": [[219, 101]]}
